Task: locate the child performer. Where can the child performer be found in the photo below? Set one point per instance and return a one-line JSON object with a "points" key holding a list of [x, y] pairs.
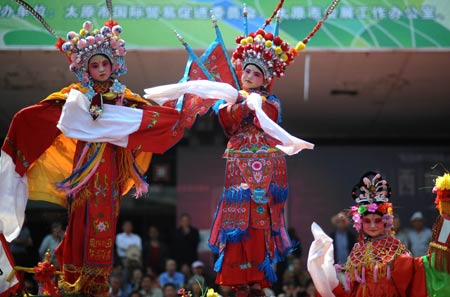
{"points": [[93, 139], [249, 231], [378, 264]]}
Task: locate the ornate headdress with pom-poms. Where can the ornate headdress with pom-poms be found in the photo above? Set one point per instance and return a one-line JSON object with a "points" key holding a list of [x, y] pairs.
{"points": [[89, 42], [372, 194], [267, 50]]}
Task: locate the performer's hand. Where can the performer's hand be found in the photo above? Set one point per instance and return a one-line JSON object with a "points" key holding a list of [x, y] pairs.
{"points": [[254, 100]]}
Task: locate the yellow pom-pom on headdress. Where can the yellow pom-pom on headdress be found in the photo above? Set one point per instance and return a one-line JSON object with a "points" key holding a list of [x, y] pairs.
{"points": [[443, 182], [442, 190]]}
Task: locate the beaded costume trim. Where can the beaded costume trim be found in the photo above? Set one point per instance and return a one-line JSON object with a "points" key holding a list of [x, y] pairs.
{"points": [[374, 255]]}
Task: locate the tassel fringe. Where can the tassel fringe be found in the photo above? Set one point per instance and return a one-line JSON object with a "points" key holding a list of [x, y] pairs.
{"points": [[219, 262], [232, 195], [269, 273]]}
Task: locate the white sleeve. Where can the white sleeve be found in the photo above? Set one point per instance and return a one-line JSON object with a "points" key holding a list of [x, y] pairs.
{"points": [[321, 262], [203, 88], [113, 126], [291, 145], [13, 198]]}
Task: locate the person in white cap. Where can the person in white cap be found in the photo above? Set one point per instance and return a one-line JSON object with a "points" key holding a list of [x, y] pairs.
{"points": [[420, 236]]}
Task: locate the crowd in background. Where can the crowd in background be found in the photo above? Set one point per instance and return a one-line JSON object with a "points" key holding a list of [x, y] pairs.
{"points": [[149, 266]]}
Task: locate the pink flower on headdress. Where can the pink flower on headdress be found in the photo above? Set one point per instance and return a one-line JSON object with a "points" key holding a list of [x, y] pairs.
{"points": [[99, 38], [82, 43], [114, 43], [73, 57], [356, 219], [372, 207], [388, 221], [90, 40]]}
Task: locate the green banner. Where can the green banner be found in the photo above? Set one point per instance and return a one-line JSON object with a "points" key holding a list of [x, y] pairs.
{"points": [[363, 24]]}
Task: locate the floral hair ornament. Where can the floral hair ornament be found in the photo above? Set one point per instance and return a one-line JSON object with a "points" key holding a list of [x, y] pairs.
{"points": [[267, 50], [439, 251], [372, 195], [442, 191], [80, 47]]}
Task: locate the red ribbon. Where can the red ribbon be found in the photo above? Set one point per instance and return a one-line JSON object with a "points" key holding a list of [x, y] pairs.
{"points": [[44, 273]]}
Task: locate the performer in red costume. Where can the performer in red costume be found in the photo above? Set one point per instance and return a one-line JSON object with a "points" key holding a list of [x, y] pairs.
{"points": [[379, 264], [93, 139], [249, 232], [108, 156], [436, 263]]}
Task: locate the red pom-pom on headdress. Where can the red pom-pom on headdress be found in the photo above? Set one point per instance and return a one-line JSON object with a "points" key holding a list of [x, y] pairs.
{"points": [[111, 23], [59, 44]]}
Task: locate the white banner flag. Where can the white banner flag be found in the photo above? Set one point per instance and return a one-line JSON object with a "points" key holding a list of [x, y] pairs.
{"points": [[6, 267]]}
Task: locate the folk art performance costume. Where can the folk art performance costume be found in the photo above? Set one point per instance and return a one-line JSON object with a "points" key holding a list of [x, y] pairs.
{"points": [[379, 264], [83, 148], [248, 233]]}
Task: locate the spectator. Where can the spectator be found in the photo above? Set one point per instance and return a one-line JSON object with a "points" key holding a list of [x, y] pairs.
{"points": [[186, 271], [135, 282], [50, 242], [19, 247], [125, 240], [400, 233], [310, 290], [268, 291], [343, 237], [420, 236], [148, 287], [115, 286], [290, 289], [226, 291], [186, 242], [195, 284], [297, 274], [171, 275], [198, 269], [169, 290], [119, 270], [155, 251], [135, 294]]}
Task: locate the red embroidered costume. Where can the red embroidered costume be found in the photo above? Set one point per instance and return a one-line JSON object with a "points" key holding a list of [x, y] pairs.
{"points": [[93, 140], [249, 231], [249, 228]]}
